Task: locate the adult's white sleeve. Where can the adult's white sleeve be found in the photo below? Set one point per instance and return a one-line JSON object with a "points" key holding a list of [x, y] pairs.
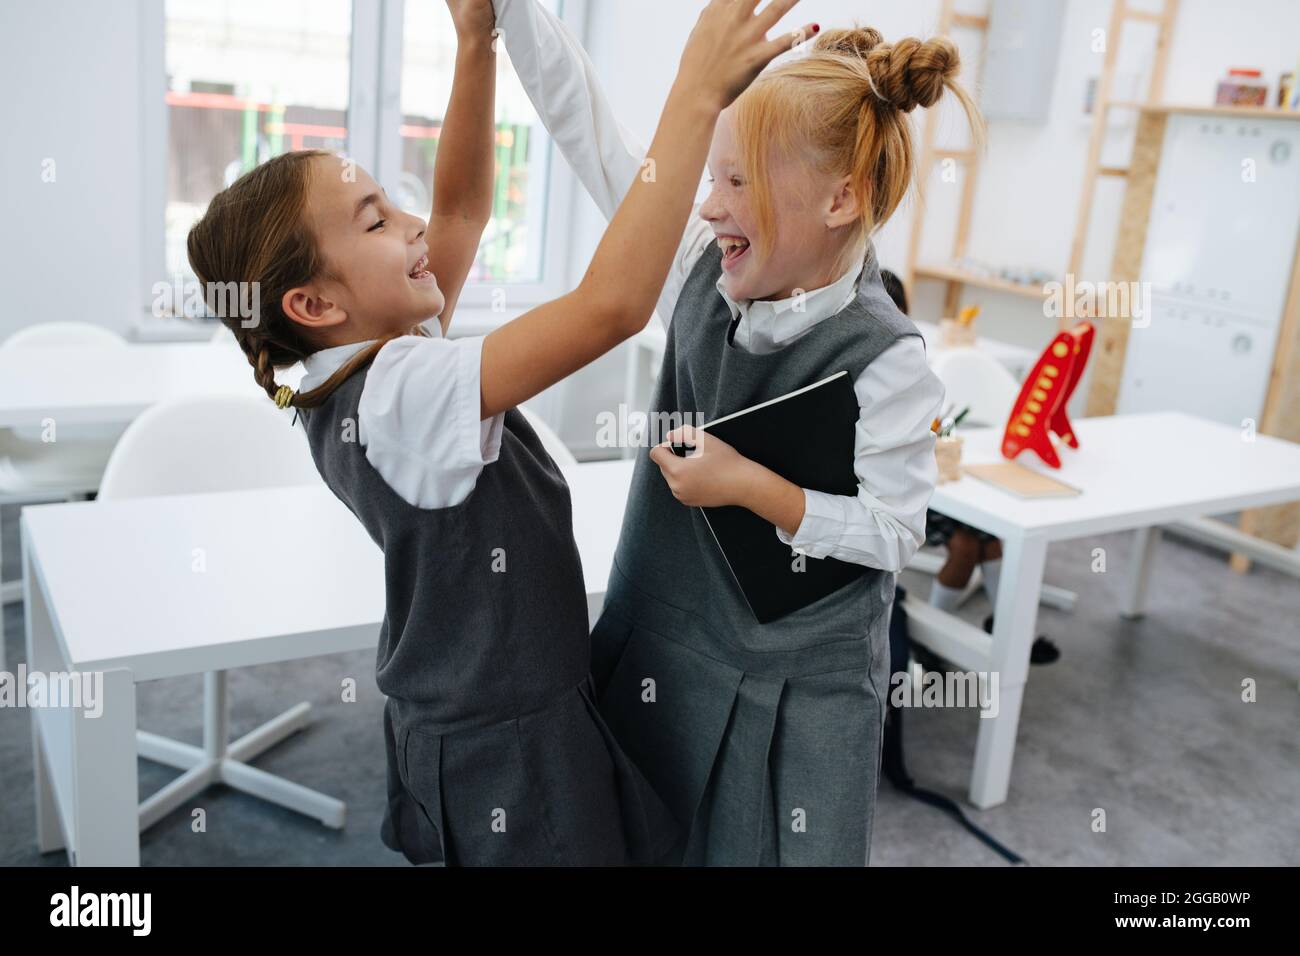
{"points": [[562, 84]]}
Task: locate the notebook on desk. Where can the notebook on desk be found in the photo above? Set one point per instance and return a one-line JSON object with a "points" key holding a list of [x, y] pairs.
{"points": [[807, 437]]}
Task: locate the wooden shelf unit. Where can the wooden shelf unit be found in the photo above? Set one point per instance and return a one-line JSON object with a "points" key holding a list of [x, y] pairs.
{"points": [[954, 277], [949, 19], [965, 277]]}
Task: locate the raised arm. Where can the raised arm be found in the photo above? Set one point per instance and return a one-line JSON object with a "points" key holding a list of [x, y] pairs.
{"points": [[562, 84], [463, 171], [726, 51]]}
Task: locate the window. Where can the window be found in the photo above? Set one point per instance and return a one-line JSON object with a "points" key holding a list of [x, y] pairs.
{"points": [[513, 243], [247, 80], [250, 79]]}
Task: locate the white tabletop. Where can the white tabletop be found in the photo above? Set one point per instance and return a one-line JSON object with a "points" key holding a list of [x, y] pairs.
{"points": [[168, 586], [1134, 471], [113, 384]]}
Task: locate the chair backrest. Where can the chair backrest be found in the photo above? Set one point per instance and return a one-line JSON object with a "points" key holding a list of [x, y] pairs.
{"points": [[972, 377], [62, 335], [550, 441], [206, 444], [48, 334]]}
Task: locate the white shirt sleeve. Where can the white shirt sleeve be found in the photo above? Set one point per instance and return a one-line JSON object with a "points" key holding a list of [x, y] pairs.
{"points": [[561, 82], [419, 419], [883, 526]]}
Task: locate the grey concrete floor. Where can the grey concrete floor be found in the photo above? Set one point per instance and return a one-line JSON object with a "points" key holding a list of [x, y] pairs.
{"points": [[1142, 719]]}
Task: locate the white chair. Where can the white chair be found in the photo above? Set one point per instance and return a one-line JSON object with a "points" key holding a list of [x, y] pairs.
{"points": [[550, 441], [201, 445], [47, 334], [33, 468], [972, 377]]}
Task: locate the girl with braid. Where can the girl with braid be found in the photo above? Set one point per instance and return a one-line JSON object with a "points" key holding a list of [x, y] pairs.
{"points": [[765, 739], [496, 752]]}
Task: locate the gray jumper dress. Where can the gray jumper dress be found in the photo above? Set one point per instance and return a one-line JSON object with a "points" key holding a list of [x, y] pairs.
{"points": [[496, 752], [764, 739]]}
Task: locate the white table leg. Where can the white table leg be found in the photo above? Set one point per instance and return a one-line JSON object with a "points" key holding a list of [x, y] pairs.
{"points": [[49, 834], [1015, 618], [42, 648], [107, 792], [1139, 572], [83, 758], [11, 592]]}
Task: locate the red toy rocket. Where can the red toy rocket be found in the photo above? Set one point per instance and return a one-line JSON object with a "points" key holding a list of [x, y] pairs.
{"points": [[1040, 409]]}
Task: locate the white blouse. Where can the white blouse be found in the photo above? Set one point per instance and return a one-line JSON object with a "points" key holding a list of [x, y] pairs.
{"points": [[418, 416], [884, 524]]}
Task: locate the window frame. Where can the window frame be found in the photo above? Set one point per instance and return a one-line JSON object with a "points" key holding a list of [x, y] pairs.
{"points": [[374, 120]]}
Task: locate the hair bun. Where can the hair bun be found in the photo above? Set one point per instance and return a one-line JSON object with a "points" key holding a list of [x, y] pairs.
{"points": [[912, 73], [858, 42]]}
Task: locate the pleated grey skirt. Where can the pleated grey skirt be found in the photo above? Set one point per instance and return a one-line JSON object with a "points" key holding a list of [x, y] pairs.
{"points": [[762, 761], [549, 788]]}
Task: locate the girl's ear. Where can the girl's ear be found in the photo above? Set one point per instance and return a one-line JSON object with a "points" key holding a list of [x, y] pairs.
{"points": [[306, 306], [845, 207]]}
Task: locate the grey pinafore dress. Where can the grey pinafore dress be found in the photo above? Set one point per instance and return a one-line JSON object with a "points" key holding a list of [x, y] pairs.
{"points": [[763, 739], [496, 751]]}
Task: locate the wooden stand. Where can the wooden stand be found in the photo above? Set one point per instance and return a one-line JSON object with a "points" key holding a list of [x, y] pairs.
{"points": [[952, 277]]}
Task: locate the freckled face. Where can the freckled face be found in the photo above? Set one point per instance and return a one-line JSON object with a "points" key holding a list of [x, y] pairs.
{"points": [[803, 250], [377, 250]]}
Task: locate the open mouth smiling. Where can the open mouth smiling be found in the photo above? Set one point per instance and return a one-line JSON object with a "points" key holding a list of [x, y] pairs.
{"points": [[734, 248], [421, 271]]}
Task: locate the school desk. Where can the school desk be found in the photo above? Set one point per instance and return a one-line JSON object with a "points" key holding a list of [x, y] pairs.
{"points": [[111, 385], [161, 587], [1136, 472]]}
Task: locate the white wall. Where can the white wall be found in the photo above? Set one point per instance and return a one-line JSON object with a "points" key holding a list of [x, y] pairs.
{"points": [[71, 248], [1027, 192]]}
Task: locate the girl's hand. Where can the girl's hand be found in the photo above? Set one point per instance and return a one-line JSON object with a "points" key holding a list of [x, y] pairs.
{"points": [[473, 18], [714, 474], [729, 47]]}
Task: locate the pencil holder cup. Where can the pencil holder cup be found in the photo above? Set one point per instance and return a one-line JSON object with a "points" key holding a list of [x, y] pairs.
{"points": [[947, 451], [955, 335]]}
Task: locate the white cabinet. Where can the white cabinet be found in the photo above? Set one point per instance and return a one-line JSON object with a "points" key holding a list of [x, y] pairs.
{"points": [[1219, 252]]}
